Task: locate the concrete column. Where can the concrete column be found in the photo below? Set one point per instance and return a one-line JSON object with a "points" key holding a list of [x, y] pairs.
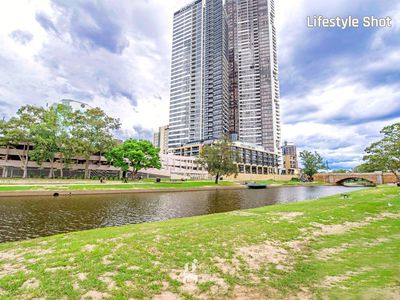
{"points": [[379, 178]]}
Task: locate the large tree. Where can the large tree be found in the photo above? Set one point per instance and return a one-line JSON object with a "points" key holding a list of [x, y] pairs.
{"points": [[19, 130], [90, 132], [219, 158], [134, 155], [312, 163], [52, 137], [384, 155]]}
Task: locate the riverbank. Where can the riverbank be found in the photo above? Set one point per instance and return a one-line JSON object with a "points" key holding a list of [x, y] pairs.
{"points": [[331, 247], [19, 188]]}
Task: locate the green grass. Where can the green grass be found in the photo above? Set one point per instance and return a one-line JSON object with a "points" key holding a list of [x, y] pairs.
{"points": [[108, 186], [286, 242]]}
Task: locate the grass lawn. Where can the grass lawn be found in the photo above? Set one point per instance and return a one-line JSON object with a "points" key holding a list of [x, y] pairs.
{"points": [[327, 248], [136, 185]]}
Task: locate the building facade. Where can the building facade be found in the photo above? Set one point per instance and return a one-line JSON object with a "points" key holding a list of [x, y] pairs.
{"points": [[251, 159], [160, 139], [172, 166], [199, 107], [224, 75], [290, 159], [255, 68]]}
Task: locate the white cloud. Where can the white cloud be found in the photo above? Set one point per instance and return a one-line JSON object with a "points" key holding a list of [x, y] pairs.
{"points": [[127, 70]]}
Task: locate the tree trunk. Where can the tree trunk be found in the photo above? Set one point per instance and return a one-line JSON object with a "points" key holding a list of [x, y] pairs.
{"points": [[26, 161], [61, 166], [5, 169], [51, 172], [397, 175], [217, 178], [87, 176]]}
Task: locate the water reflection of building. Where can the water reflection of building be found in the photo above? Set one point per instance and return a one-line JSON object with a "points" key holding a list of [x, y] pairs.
{"points": [[290, 159]]}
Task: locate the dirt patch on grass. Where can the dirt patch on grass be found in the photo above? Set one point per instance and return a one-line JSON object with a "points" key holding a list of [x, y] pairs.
{"points": [[327, 253], [89, 248], [107, 260], [190, 279], [330, 281], [10, 269], [55, 269], [230, 267], [289, 216], [257, 256], [240, 213], [11, 255], [330, 229], [41, 252], [335, 228], [133, 268], [107, 278], [95, 295], [298, 245], [82, 276], [166, 296], [31, 284], [247, 293]]}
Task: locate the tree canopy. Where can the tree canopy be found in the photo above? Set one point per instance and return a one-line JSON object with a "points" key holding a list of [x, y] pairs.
{"points": [[58, 132], [91, 132], [384, 155], [219, 158], [312, 163], [134, 155]]}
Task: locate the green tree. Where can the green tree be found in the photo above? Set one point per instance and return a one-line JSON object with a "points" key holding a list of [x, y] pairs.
{"points": [[384, 155], [134, 155], [90, 131], [19, 131], [312, 163], [365, 168], [219, 158], [52, 139]]}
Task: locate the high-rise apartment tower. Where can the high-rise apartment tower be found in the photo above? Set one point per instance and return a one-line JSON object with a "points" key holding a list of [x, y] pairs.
{"points": [[254, 84], [224, 76], [199, 107]]}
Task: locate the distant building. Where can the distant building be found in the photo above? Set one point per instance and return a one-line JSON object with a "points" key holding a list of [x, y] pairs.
{"points": [[290, 159], [160, 139]]}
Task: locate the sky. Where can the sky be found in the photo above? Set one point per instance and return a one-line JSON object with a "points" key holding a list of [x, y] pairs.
{"points": [[338, 87]]}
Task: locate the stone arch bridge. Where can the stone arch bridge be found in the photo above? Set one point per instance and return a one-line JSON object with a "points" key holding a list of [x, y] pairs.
{"points": [[340, 178]]}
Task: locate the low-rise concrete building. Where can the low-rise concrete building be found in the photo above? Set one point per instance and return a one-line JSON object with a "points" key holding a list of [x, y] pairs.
{"points": [[12, 160], [252, 159]]}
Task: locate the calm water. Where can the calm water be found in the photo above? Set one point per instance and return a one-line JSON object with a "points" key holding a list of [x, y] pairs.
{"points": [[25, 218]]}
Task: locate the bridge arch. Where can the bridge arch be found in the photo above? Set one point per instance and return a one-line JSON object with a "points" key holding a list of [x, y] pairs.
{"points": [[341, 181]]}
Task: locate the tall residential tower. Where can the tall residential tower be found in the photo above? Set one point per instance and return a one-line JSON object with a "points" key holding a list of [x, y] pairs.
{"points": [[199, 107], [224, 75], [254, 72]]}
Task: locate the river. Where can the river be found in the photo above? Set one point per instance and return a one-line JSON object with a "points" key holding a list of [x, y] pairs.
{"points": [[30, 217]]}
